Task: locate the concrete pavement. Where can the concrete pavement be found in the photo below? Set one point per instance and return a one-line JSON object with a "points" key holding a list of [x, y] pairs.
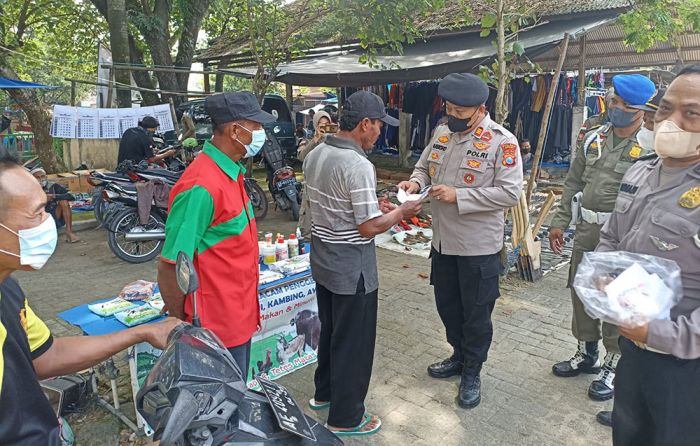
{"points": [[522, 402]]}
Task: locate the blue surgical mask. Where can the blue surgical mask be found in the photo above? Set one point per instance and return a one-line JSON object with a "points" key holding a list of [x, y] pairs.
{"points": [[620, 118], [36, 245], [256, 144]]}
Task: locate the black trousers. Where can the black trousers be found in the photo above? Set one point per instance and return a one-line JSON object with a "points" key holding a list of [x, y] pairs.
{"points": [[345, 352], [466, 289], [657, 399], [241, 354]]}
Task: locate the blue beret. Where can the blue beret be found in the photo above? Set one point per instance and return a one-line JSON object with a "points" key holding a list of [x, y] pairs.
{"points": [[634, 89], [466, 90]]}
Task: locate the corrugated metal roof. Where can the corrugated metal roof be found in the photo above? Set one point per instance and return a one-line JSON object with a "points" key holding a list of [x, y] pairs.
{"points": [[605, 48], [453, 16]]}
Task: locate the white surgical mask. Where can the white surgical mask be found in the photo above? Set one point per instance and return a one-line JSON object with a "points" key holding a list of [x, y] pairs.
{"points": [[645, 138], [36, 245], [256, 144], [670, 141]]}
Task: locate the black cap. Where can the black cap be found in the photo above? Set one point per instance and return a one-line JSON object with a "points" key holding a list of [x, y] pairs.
{"points": [[464, 89], [364, 104], [227, 107], [149, 122]]}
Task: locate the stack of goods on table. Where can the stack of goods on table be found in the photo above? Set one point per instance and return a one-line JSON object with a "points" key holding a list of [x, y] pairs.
{"points": [[138, 303], [282, 258]]}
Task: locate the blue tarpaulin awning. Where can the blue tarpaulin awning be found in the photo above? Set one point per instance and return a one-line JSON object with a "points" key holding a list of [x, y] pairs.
{"points": [[6, 83]]}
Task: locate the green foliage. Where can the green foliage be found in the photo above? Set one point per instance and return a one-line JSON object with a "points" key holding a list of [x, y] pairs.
{"points": [[653, 21]]}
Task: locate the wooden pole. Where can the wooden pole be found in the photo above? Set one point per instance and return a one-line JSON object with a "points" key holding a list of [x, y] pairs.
{"points": [[72, 93], [207, 84], [174, 117], [289, 90], [582, 72], [564, 46], [110, 89], [177, 93]]}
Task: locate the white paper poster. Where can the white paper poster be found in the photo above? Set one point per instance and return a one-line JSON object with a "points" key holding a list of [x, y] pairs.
{"points": [[65, 121], [109, 123], [85, 122]]}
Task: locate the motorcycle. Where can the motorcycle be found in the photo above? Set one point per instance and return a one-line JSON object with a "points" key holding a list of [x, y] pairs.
{"points": [[196, 394], [282, 182], [128, 238]]}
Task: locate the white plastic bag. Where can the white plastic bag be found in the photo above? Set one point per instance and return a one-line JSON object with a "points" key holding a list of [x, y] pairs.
{"points": [[628, 289]]}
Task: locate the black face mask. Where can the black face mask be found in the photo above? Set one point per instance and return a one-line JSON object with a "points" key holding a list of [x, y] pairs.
{"points": [[457, 125]]}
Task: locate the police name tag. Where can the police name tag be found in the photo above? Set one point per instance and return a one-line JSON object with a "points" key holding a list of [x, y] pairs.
{"points": [[286, 410]]}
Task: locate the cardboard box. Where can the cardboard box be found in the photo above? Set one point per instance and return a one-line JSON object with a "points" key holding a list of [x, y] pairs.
{"points": [[68, 180]]}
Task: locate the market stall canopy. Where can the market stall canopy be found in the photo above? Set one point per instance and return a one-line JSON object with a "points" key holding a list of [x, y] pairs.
{"points": [[6, 84], [425, 60]]}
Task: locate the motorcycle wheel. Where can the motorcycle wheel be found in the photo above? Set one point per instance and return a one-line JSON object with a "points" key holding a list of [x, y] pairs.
{"points": [[295, 209], [258, 199], [130, 251], [100, 205]]}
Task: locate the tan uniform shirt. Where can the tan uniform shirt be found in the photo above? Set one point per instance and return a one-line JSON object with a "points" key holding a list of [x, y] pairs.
{"points": [[663, 221], [484, 167], [597, 169]]}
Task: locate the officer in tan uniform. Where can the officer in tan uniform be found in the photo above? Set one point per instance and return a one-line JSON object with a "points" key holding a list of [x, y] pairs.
{"points": [[657, 212], [601, 159], [473, 165]]}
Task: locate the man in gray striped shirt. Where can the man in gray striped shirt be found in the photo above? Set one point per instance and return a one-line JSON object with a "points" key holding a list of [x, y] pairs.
{"points": [[345, 216]]}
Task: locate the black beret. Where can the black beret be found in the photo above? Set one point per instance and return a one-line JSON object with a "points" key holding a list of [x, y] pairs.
{"points": [[464, 89]]}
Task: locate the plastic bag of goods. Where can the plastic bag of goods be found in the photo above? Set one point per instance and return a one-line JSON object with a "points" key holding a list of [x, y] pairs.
{"points": [[628, 289], [110, 307], [139, 290], [136, 316]]}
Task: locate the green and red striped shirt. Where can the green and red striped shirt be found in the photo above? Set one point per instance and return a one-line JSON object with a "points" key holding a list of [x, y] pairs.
{"points": [[212, 220]]}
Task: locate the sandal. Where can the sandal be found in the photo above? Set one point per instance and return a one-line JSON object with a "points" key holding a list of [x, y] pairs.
{"points": [[358, 431], [315, 405]]}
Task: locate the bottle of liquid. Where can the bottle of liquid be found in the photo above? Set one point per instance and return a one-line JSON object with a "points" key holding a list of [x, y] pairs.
{"points": [[302, 244], [281, 250], [269, 252], [293, 245]]}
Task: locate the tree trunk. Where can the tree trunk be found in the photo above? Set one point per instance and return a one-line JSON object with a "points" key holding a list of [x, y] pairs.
{"points": [[192, 21], [119, 43], [40, 120], [142, 78], [501, 109]]}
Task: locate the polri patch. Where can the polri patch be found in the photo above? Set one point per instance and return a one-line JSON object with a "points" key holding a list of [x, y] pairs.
{"points": [[690, 198], [509, 147], [432, 170], [473, 164], [469, 178], [481, 145], [478, 132], [435, 156], [509, 160], [475, 154], [487, 136], [444, 139]]}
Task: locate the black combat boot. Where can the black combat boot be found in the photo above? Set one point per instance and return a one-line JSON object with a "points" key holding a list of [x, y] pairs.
{"points": [[584, 361], [604, 417], [603, 387], [451, 366], [470, 388]]}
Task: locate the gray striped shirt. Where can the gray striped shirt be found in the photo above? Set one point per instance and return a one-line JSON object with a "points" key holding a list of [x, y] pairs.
{"points": [[341, 186]]}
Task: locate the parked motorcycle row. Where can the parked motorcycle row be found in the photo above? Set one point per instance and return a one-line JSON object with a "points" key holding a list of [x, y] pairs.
{"points": [[134, 240]]}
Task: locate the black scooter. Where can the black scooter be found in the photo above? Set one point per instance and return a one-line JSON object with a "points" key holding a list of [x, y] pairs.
{"points": [[281, 180], [196, 395]]}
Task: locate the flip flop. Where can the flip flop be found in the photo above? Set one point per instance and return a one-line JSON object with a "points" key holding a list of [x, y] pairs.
{"points": [[357, 431], [72, 241], [318, 406]]}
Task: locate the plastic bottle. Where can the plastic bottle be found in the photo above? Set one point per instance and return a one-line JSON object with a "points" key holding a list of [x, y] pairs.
{"points": [[300, 240], [269, 253], [281, 249], [293, 245]]}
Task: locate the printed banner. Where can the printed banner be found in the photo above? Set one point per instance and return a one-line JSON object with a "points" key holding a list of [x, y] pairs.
{"points": [[290, 333], [105, 123]]}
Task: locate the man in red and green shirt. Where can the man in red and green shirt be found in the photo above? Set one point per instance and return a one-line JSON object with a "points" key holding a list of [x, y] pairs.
{"points": [[212, 221]]}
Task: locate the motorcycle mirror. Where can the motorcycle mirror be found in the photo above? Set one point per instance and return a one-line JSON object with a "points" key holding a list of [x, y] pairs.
{"points": [[185, 274]]}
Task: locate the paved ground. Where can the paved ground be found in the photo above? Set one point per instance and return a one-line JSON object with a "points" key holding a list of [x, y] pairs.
{"points": [[523, 403]]}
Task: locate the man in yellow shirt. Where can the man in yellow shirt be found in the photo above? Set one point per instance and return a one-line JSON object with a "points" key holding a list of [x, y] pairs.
{"points": [[28, 351]]}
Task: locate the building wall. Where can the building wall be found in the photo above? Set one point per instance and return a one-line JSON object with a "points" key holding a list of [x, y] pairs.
{"points": [[95, 153]]}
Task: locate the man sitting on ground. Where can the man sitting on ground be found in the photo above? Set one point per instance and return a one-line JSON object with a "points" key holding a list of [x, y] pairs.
{"points": [[57, 203]]}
